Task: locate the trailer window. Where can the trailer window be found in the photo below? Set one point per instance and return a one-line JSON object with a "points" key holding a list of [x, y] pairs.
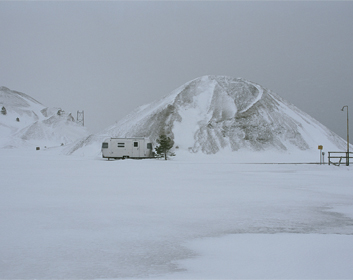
{"points": [[121, 145], [149, 146], [104, 145], [136, 144]]}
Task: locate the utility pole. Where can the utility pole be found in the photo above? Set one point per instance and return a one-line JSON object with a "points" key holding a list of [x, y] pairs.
{"points": [[81, 117], [347, 160]]}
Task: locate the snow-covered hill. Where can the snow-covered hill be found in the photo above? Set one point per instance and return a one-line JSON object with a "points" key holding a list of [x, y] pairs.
{"points": [[25, 121], [213, 114]]}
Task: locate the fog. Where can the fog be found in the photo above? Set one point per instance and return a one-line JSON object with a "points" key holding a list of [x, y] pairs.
{"points": [[107, 58]]}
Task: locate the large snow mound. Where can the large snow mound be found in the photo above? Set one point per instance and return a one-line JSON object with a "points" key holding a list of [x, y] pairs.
{"points": [[213, 114], [26, 122]]}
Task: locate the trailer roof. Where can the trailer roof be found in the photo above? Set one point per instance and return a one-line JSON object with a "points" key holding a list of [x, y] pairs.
{"points": [[129, 138]]}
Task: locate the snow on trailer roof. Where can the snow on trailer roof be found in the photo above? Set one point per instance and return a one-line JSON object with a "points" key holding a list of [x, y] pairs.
{"points": [[129, 137]]}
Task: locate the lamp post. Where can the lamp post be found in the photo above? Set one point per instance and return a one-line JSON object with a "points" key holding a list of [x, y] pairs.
{"points": [[347, 160]]}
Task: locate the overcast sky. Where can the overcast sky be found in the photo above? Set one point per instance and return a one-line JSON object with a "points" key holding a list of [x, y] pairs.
{"points": [[107, 58]]}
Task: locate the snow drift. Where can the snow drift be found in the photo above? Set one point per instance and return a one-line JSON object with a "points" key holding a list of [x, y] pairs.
{"points": [[25, 121], [212, 114]]}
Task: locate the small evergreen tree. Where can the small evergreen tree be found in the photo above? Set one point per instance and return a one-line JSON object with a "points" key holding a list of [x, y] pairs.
{"points": [[3, 110], [165, 144], [17, 119]]}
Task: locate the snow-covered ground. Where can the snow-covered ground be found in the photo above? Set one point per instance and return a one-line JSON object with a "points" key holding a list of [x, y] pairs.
{"points": [[190, 217]]}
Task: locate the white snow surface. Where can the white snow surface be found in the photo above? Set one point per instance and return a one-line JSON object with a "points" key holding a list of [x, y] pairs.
{"points": [[218, 114], [195, 217], [30, 123]]}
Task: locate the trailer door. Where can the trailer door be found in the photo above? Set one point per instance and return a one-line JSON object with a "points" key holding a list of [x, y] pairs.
{"points": [[136, 149]]}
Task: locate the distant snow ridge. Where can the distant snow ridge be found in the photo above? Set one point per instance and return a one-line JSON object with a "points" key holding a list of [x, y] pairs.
{"points": [[214, 113], [28, 122]]}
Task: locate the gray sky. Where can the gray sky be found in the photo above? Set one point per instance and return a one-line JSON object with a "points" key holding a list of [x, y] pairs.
{"points": [[107, 58]]}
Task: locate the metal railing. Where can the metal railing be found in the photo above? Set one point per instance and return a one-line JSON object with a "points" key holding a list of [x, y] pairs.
{"points": [[339, 156]]}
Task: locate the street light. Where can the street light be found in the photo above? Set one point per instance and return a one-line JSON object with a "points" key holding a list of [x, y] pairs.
{"points": [[347, 161]]}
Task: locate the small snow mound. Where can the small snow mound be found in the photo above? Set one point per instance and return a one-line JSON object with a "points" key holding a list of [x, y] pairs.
{"points": [[28, 122]]}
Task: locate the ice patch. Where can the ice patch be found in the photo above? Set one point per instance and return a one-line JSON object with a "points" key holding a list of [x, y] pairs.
{"points": [[271, 256]]}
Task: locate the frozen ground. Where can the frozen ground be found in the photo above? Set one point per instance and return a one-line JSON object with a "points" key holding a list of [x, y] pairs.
{"points": [[85, 217]]}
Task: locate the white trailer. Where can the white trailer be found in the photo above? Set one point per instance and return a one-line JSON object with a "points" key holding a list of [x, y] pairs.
{"points": [[120, 148]]}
